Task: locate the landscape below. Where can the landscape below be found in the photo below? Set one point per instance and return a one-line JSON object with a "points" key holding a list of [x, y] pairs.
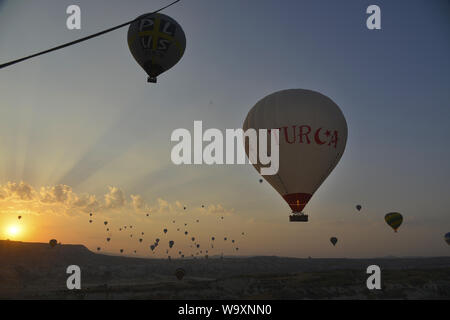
{"points": [[38, 271]]}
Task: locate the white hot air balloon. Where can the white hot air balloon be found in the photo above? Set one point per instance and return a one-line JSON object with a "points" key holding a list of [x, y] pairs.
{"points": [[312, 139]]}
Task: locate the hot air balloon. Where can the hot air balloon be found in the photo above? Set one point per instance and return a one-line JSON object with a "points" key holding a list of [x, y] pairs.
{"points": [[171, 243], [157, 240], [106, 222], [447, 238], [198, 246], [232, 241], [90, 221], [121, 250], [107, 239], [142, 233], [152, 247], [184, 208], [394, 219], [157, 42], [165, 230], [358, 207], [333, 240], [312, 138], [53, 242], [179, 273], [140, 240], [203, 205], [19, 217], [193, 239], [185, 233], [212, 238], [90, 214], [98, 248], [147, 214], [225, 239], [260, 180], [107, 229]]}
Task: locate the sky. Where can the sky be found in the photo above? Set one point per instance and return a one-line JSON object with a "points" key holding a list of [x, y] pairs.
{"points": [[82, 131]]}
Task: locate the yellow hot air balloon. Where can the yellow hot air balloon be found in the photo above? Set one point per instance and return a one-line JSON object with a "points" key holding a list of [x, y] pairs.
{"points": [[312, 139], [394, 219]]}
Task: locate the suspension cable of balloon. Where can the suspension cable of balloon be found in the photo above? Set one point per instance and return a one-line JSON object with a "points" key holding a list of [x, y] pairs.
{"points": [[4, 65]]}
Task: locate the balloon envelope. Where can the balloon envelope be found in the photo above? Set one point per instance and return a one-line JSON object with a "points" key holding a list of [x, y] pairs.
{"points": [[358, 207], [53, 242], [179, 273], [394, 220], [447, 238], [157, 42], [312, 138], [333, 240]]}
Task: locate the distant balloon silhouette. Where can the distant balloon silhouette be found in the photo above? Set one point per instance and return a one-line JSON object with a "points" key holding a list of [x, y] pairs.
{"points": [[225, 239], [106, 222], [152, 247], [140, 240], [53, 243], [232, 241], [447, 238], [107, 229], [107, 239], [90, 221], [165, 230], [193, 239], [98, 248], [184, 208], [179, 273], [90, 214], [19, 217], [394, 220], [358, 207], [185, 232], [333, 240], [213, 238], [171, 243], [121, 250], [260, 180]]}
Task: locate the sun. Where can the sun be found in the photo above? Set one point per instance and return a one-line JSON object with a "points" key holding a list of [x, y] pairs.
{"points": [[13, 230]]}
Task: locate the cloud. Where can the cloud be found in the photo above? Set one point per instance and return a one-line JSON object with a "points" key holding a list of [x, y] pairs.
{"points": [[21, 191], [62, 199], [115, 198]]}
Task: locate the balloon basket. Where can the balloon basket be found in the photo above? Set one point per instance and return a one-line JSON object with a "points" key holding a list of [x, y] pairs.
{"points": [[298, 217], [151, 79]]}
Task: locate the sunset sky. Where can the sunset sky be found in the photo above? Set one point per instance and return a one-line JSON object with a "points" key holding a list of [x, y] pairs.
{"points": [[82, 131]]}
